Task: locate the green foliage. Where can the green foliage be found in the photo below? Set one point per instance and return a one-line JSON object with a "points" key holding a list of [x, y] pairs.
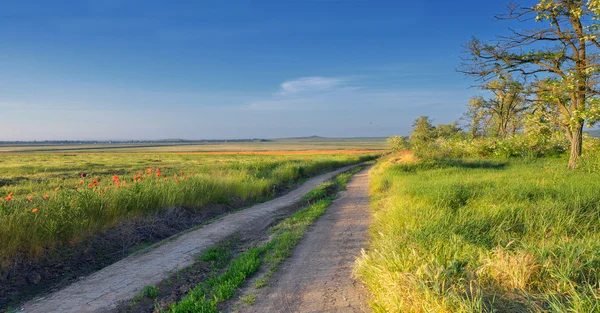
{"points": [[422, 134], [150, 292], [564, 49], [483, 236], [448, 131], [398, 143]]}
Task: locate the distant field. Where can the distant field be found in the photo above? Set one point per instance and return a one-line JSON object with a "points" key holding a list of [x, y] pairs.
{"points": [[292, 144]]}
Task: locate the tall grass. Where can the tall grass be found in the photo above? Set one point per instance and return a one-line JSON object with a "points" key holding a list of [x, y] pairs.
{"points": [[51, 204], [483, 236]]}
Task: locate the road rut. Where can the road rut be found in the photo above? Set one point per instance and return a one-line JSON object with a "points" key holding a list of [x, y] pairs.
{"points": [[103, 290], [318, 275]]}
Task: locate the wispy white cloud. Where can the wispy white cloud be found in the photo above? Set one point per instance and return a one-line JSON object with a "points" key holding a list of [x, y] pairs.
{"points": [[311, 84]]}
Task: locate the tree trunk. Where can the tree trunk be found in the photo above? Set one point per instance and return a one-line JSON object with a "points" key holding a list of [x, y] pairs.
{"points": [[576, 143]]}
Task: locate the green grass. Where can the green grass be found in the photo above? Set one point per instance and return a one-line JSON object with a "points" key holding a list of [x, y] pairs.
{"points": [[206, 297], [483, 236], [29, 227]]}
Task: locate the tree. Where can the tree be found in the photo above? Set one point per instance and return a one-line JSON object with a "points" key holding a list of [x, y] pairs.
{"points": [[423, 132], [563, 53], [503, 110], [477, 117], [451, 130]]}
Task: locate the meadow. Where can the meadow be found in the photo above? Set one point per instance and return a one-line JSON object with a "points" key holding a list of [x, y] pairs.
{"points": [[60, 199], [476, 235]]}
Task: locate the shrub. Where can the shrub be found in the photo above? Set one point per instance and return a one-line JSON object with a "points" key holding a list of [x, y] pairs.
{"points": [[398, 143]]}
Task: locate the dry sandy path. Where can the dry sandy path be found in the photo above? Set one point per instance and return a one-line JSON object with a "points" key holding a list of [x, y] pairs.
{"points": [[318, 275], [103, 290]]}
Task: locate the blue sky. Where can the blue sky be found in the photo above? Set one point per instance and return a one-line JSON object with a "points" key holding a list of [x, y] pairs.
{"points": [[113, 69]]}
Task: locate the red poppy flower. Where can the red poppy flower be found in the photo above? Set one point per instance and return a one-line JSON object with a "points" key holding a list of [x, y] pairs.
{"points": [[46, 197], [34, 210]]}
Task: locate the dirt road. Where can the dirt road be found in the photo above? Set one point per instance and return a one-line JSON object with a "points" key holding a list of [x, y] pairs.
{"points": [[103, 290], [317, 277]]}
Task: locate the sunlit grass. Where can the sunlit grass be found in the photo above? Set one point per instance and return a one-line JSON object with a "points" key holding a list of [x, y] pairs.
{"points": [[483, 236], [46, 201]]}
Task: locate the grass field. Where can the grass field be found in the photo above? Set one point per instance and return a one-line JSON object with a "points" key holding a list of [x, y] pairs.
{"points": [[483, 236], [51, 199]]}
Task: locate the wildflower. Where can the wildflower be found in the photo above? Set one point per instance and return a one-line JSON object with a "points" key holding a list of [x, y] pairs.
{"points": [[149, 171], [46, 197], [115, 179], [81, 182], [182, 173], [29, 198], [57, 188], [90, 185], [175, 176], [158, 174], [177, 181], [34, 210], [166, 179], [76, 186], [139, 180], [83, 175]]}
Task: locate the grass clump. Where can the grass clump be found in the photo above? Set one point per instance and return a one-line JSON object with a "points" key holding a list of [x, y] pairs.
{"points": [[483, 236], [248, 299]]}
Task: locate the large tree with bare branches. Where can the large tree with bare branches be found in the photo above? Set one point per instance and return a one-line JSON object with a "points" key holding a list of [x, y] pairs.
{"points": [[562, 54]]}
